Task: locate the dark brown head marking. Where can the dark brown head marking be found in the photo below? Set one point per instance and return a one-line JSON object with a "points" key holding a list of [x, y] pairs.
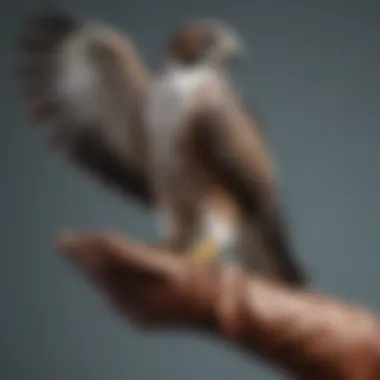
{"points": [[203, 40], [190, 44]]}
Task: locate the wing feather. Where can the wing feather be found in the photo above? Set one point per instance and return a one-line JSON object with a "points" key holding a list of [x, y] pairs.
{"points": [[89, 81], [229, 146]]}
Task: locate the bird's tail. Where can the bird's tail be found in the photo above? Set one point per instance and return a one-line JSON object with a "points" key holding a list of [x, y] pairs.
{"points": [[267, 251]]}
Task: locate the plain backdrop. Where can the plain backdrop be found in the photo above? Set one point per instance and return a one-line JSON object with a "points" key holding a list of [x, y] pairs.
{"points": [[312, 70]]}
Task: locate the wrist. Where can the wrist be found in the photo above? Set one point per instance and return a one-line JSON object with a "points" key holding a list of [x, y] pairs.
{"points": [[202, 289]]}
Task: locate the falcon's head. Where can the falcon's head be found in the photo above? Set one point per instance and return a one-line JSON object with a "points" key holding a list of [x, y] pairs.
{"points": [[207, 41]]}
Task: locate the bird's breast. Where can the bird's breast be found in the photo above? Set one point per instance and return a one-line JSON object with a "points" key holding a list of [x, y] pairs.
{"points": [[172, 97], [170, 103]]}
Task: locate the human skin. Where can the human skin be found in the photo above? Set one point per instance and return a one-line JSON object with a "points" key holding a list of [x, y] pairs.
{"points": [[305, 333]]}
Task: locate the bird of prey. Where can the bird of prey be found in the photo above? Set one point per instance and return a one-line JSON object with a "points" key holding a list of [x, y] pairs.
{"points": [[181, 140]]}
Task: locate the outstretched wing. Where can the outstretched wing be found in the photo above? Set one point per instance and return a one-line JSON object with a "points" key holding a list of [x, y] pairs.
{"points": [[230, 146], [89, 81]]}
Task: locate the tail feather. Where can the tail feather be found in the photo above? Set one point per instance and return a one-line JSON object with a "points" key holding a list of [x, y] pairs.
{"points": [[266, 250]]}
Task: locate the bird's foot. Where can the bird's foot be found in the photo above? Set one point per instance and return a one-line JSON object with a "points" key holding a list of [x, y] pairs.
{"points": [[205, 251], [161, 246]]}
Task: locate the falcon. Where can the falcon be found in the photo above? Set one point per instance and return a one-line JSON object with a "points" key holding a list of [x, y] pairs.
{"points": [[180, 141]]}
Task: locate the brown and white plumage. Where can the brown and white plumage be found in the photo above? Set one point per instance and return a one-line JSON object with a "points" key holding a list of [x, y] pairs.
{"points": [[214, 177], [89, 81], [181, 142]]}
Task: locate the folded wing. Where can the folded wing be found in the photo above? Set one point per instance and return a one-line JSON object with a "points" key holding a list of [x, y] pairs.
{"points": [[230, 146]]}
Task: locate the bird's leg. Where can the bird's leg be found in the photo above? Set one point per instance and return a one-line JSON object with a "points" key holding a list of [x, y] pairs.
{"points": [[218, 234], [179, 238], [206, 250]]}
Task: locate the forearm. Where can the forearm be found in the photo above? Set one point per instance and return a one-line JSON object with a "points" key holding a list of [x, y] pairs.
{"points": [[306, 333]]}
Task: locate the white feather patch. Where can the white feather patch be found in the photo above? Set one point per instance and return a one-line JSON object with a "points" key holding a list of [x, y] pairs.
{"points": [[218, 226], [172, 98]]}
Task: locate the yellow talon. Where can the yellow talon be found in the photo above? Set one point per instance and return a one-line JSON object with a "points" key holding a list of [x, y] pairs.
{"points": [[205, 251]]}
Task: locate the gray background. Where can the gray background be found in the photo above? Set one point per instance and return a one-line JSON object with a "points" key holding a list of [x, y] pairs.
{"points": [[313, 71]]}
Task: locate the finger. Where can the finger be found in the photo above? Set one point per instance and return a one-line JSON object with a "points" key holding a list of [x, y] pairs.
{"points": [[83, 254], [96, 250], [137, 255]]}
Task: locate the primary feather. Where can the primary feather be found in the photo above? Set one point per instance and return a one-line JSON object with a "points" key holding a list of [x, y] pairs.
{"points": [[88, 80]]}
